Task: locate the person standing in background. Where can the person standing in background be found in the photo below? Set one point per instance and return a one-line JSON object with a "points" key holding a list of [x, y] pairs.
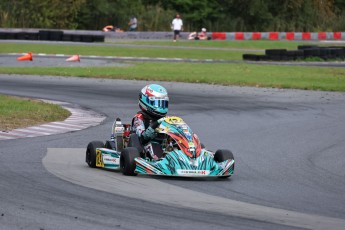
{"points": [[177, 26], [133, 23]]}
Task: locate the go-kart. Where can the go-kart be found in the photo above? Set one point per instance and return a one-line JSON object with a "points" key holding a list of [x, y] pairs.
{"points": [[179, 149]]}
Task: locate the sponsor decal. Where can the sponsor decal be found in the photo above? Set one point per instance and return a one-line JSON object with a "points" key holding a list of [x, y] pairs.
{"points": [[162, 130], [188, 135], [149, 91], [109, 160], [174, 120], [207, 153], [119, 129], [190, 172]]}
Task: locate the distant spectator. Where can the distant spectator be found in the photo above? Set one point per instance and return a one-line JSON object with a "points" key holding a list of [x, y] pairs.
{"points": [[177, 26], [133, 24], [199, 36], [110, 28]]}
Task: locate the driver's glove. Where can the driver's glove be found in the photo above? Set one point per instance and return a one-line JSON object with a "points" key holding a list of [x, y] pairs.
{"points": [[149, 134]]}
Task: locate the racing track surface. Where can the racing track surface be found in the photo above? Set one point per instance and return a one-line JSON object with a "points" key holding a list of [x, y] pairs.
{"points": [[289, 149]]}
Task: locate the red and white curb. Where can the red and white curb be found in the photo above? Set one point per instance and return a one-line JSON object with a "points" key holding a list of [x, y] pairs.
{"points": [[80, 119]]}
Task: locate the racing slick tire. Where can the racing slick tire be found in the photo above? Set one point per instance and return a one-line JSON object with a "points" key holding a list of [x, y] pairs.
{"points": [[91, 152], [110, 145], [223, 155], [127, 161]]}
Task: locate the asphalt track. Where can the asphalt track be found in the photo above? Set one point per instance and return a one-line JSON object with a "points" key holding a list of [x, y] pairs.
{"points": [[289, 149], [59, 60]]}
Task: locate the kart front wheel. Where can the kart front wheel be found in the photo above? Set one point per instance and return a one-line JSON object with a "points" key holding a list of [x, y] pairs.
{"points": [[127, 161], [91, 152], [223, 155]]}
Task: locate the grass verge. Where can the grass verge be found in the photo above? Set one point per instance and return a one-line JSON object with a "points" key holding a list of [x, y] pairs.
{"points": [[227, 50], [299, 77], [121, 51], [245, 44], [19, 112]]}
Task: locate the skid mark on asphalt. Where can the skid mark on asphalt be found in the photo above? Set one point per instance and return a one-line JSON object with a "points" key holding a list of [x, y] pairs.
{"points": [[80, 119]]}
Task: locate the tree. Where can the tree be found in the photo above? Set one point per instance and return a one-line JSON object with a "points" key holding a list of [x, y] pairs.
{"points": [[39, 14], [156, 15]]}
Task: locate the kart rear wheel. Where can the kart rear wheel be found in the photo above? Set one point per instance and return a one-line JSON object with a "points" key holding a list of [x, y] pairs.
{"points": [[127, 161], [91, 152], [223, 155]]}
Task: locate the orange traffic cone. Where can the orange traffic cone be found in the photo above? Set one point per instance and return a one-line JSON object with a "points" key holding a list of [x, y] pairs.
{"points": [[74, 58], [26, 57]]}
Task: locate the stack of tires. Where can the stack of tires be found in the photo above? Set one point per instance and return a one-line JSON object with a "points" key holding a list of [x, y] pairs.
{"points": [[302, 53], [51, 35], [18, 36]]}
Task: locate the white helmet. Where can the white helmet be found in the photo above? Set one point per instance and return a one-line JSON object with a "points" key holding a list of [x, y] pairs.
{"points": [[203, 29]]}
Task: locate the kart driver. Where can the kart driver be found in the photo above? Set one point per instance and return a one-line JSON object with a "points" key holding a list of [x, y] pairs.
{"points": [[153, 102]]}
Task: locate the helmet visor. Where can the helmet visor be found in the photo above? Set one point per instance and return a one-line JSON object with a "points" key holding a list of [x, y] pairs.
{"points": [[162, 103]]}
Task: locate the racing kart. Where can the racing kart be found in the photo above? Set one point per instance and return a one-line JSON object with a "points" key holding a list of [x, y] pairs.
{"points": [[179, 149]]}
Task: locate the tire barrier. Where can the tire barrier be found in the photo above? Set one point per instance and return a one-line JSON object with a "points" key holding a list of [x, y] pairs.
{"points": [[302, 53], [100, 36], [51, 35]]}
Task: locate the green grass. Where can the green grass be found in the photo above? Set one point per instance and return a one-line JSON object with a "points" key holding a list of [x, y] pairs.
{"points": [[311, 78], [18, 112], [121, 51], [227, 51], [247, 44]]}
